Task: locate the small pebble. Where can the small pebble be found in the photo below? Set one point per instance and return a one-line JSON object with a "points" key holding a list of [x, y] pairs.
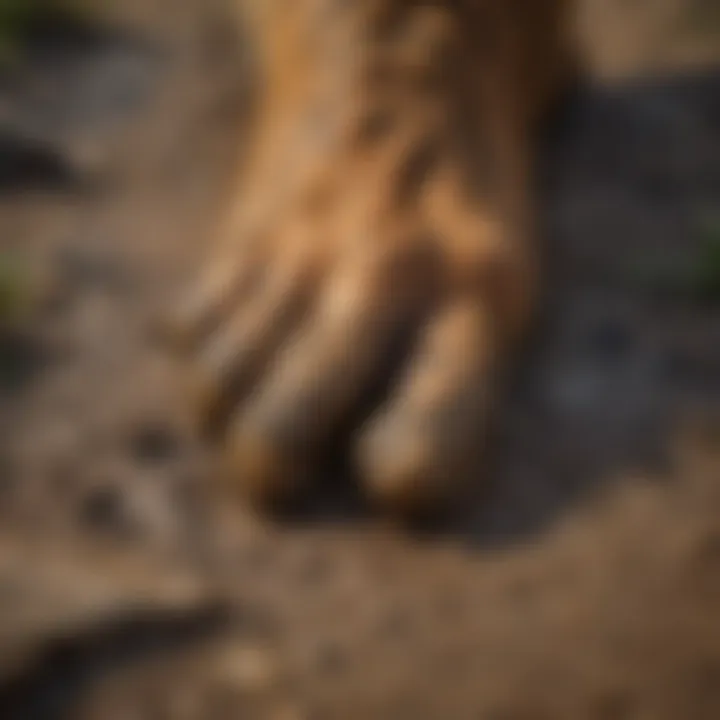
{"points": [[251, 668]]}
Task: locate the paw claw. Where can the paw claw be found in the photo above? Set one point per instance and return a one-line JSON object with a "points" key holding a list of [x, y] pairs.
{"points": [[259, 472]]}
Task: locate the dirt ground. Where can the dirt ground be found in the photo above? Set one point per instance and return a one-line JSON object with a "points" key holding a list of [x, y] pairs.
{"points": [[586, 581]]}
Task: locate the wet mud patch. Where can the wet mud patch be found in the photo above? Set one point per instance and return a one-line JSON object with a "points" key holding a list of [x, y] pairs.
{"points": [[25, 164]]}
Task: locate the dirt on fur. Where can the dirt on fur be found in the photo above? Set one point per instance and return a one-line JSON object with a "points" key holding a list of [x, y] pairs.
{"points": [[584, 585]]}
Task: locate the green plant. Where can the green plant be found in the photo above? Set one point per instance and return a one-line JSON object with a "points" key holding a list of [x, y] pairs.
{"points": [[706, 270], [15, 289], [17, 18], [697, 278]]}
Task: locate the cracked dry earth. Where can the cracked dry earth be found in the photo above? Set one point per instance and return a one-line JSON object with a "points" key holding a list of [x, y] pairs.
{"points": [[586, 585]]}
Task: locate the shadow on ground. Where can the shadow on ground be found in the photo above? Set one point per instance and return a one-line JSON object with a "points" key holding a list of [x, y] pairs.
{"points": [[629, 342]]}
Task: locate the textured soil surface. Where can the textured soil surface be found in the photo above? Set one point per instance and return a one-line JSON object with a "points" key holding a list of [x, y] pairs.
{"points": [[586, 581]]}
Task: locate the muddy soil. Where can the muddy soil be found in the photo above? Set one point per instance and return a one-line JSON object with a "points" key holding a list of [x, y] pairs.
{"points": [[584, 583]]}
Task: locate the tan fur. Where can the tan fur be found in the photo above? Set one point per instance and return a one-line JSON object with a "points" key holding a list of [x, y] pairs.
{"points": [[388, 191]]}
